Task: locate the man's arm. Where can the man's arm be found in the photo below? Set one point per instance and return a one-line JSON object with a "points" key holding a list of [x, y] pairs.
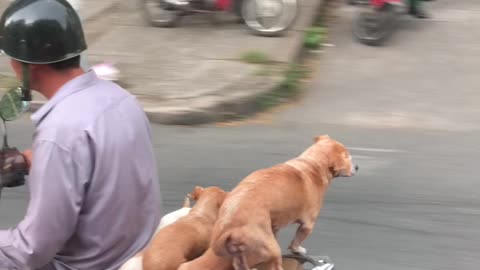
{"points": [[56, 196]]}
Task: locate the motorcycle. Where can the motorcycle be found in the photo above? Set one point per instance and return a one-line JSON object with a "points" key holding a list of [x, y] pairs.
{"points": [[262, 17], [375, 25]]}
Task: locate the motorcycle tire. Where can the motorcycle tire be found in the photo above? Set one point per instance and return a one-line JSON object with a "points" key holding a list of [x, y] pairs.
{"points": [[374, 27], [169, 18], [288, 16]]}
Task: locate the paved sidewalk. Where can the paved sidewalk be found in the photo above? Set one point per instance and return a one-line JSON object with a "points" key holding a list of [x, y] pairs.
{"points": [[192, 73]]}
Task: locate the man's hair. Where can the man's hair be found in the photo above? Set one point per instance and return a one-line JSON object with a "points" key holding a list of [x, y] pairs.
{"points": [[66, 64]]}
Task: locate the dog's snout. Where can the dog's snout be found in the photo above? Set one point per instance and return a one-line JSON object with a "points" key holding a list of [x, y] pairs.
{"points": [[356, 167]]}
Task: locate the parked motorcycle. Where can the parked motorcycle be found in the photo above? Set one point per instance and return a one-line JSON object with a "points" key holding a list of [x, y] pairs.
{"points": [[375, 25], [262, 17]]}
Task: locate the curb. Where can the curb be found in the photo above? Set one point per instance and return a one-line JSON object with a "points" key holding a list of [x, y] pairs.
{"points": [[231, 108], [240, 104], [234, 106]]}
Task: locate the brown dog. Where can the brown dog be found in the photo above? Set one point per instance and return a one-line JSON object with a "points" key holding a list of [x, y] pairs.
{"points": [[208, 261], [188, 237], [269, 199]]}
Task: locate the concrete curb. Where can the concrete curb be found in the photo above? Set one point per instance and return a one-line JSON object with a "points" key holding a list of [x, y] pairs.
{"points": [[231, 107], [239, 103]]}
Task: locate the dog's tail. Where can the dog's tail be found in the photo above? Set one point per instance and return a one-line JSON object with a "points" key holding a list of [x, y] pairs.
{"points": [[232, 243]]}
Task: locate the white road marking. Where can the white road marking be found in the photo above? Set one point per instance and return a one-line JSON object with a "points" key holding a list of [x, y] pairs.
{"points": [[381, 150]]}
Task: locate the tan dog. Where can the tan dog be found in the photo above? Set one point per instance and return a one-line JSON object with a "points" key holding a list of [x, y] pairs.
{"points": [[188, 237], [269, 199], [208, 261]]}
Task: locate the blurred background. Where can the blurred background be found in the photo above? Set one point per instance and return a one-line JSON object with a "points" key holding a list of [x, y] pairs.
{"points": [[225, 100]]}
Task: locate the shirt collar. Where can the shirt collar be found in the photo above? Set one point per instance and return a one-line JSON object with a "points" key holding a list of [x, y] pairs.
{"points": [[79, 83]]}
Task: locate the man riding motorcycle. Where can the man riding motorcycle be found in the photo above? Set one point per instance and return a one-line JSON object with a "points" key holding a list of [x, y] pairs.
{"points": [[94, 194]]}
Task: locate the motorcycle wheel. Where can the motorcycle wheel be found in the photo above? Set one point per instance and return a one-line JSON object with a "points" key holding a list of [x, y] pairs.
{"points": [[269, 18], [160, 14], [374, 27]]}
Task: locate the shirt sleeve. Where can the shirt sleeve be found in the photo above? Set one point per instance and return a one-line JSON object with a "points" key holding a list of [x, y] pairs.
{"points": [[56, 194]]}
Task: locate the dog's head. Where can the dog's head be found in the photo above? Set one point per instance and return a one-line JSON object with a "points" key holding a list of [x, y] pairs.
{"points": [[339, 158], [210, 193], [196, 193]]}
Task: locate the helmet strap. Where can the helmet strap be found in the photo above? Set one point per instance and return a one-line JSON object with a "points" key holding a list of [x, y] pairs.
{"points": [[26, 93]]}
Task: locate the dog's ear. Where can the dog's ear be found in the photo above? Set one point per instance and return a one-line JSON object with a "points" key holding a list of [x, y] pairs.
{"points": [[338, 161], [186, 203], [335, 165], [225, 194], [196, 193], [321, 137], [222, 197]]}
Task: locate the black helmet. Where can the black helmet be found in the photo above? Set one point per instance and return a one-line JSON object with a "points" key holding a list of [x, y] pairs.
{"points": [[41, 31]]}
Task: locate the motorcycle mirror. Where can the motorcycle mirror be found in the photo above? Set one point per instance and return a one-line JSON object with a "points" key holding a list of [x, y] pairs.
{"points": [[13, 166], [12, 105]]}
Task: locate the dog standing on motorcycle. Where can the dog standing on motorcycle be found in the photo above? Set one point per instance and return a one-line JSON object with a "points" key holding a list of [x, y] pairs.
{"points": [[94, 194]]}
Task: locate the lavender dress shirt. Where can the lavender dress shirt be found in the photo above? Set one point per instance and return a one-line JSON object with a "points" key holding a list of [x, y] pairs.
{"points": [[94, 192]]}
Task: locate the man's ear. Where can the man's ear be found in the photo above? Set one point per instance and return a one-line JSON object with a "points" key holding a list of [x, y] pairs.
{"points": [[196, 193], [321, 137]]}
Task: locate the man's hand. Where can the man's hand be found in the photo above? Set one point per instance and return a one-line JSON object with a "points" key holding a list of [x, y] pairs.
{"points": [[14, 166], [28, 157]]}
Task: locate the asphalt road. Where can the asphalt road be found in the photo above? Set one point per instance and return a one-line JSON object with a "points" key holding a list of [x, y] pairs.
{"points": [[409, 113]]}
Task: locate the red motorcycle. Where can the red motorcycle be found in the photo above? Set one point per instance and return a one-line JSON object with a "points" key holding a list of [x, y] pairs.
{"points": [[262, 17], [375, 25]]}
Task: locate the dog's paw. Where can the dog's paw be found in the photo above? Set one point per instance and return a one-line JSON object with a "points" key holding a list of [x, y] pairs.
{"points": [[299, 250]]}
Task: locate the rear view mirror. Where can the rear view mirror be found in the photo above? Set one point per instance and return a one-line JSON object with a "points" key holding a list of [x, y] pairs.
{"points": [[12, 105]]}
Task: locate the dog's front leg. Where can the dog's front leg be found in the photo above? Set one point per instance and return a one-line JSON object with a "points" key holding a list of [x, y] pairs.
{"points": [[303, 231]]}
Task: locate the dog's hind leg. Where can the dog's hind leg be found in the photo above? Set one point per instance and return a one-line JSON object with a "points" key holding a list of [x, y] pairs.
{"points": [[240, 263], [267, 255], [275, 259], [303, 231]]}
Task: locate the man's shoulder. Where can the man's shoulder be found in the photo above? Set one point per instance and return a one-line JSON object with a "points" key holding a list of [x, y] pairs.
{"points": [[79, 112], [86, 105]]}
